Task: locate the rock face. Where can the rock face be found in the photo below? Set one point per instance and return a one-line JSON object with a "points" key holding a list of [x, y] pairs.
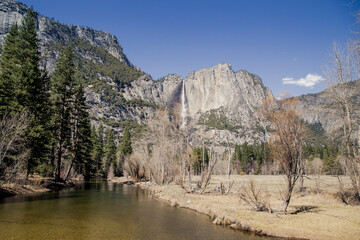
{"points": [[238, 93], [164, 92], [222, 104], [10, 12]]}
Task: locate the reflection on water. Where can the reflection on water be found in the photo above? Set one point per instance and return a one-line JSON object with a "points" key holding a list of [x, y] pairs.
{"points": [[103, 210]]}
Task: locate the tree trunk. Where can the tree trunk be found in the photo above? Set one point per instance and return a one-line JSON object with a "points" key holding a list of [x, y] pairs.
{"points": [[58, 163], [28, 169], [287, 197], [189, 172], [229, 159], [203, 159], [76, 147], [68, 173], [61, 132]]}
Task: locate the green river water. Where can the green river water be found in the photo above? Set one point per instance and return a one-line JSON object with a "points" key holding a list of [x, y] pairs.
{"points": [[102, 210]]}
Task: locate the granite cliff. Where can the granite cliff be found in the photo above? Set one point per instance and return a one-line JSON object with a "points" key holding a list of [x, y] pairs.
{"points": [[222, 104]]}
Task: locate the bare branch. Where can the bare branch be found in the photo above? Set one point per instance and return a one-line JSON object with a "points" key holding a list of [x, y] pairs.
{"points": [[11, 128]]}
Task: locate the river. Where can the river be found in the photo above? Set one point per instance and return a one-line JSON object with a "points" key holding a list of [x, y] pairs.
{"points": [[104, 210]]}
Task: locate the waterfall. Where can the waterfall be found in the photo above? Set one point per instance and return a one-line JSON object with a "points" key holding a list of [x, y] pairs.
{"points": [[183, 105]]}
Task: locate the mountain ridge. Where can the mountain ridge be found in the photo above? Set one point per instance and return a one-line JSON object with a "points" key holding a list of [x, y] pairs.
{"points": [[217, 103]]}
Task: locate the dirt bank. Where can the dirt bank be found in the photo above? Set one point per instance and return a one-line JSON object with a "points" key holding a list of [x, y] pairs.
{"points": [[33, 185], [8, 190], [314, 214]]}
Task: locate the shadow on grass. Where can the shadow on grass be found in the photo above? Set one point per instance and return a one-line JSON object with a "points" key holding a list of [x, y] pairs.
{"points": [[305, 209]]}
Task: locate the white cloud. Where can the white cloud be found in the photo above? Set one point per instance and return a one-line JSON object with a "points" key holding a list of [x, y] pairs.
{"points": [[283, 95], [309, 81]]}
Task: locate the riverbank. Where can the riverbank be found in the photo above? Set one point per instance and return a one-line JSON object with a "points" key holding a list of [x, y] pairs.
{"points": [[32, 186], [316, 213], [8, 190]]}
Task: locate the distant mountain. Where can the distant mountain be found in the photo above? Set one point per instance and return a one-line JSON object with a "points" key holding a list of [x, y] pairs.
{"points": [[322, 111]]}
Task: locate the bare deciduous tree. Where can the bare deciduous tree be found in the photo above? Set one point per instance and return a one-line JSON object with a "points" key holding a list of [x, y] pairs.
{"points": [[201, 185], [224, 190], [255, 197], [229, 159], [133, 166], [11, 128], [287, 142], [167, 146], [344, 68]]}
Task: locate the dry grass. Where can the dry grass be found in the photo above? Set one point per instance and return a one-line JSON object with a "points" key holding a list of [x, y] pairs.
{"points": [[317, 212]]}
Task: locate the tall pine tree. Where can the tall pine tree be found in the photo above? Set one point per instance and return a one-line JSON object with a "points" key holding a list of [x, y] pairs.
{"points": [[62, 98], [94, 141], [97, 152], [36, 84], [24, 86], [99, 149], [10, 73], [125, 147], [81, 144], [109, 151]]}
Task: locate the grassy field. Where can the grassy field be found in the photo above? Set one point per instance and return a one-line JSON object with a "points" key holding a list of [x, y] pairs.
{"points": [[315, 213]]}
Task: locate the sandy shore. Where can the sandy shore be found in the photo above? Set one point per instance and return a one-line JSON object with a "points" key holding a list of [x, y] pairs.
{"points": [[316, 213]]}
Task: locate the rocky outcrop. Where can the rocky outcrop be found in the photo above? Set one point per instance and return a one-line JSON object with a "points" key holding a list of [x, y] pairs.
{"points": [[164, 92], [10, 12]]}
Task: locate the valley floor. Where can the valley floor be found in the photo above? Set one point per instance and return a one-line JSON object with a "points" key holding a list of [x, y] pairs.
{"points": [[316, 213]]}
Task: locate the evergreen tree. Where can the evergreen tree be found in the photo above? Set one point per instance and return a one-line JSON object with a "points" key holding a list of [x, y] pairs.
{"points": [[200, 154], [124, 150], [109, 150], [25, 87], [93, 153], [62, 97], [329, 162], [237, 153], [10, 72], [81, 144], [97, 152], [245, 157], [35, 95], [197, 160], [125, 147]]}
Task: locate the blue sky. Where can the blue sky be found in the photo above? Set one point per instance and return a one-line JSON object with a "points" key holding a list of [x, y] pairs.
{"points": [[282, 41]]}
